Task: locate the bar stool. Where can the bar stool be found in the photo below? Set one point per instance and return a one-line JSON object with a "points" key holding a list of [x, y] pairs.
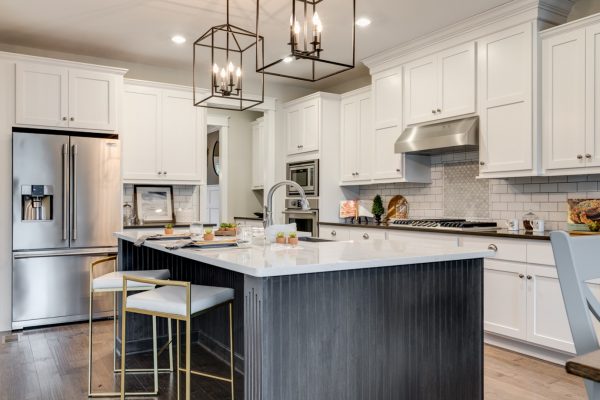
{"points": [[180, 301], [113, 283]]}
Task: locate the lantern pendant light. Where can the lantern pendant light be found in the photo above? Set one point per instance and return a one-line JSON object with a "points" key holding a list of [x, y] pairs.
{"points": [[305, 43], [226, 45]]}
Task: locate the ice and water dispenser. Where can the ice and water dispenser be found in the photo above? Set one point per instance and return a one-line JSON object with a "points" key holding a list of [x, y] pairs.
{"points": [[36, 202]]}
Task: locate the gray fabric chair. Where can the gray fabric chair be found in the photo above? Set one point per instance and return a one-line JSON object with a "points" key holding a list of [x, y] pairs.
{"points": [[578, 261]]}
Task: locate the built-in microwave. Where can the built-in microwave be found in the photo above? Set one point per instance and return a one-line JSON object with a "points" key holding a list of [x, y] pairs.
{"points": [[305, 174]]}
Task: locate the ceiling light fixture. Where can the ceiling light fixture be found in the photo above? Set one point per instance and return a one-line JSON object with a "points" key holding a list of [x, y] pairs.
{"points": [[363, 22], [225, 45], [306, 37], [178, 39]]}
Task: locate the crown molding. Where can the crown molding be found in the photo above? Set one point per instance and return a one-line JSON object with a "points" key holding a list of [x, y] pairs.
{"points": [[553, 12], [64, 63]]}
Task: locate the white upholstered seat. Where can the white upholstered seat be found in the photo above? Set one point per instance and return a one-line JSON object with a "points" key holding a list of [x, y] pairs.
{"points": [[172, 299], [114, 280]]}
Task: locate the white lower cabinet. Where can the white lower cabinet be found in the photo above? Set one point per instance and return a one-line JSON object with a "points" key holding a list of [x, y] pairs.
{"points": [[361, 234], [334, 233]]}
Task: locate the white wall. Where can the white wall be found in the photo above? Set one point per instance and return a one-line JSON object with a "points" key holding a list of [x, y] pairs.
{"points": [[6, 112], [242, 201]]}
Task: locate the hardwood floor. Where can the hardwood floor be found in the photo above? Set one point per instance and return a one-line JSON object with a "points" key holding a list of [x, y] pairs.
{"points": [[51, 364]]}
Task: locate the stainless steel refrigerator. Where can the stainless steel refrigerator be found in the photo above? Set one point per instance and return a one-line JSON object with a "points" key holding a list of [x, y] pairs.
{"points": [[66, 205]]}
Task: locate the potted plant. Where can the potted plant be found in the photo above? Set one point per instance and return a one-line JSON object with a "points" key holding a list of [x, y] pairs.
{"points": [[208, 234], [293, 238], [168, 229], [280, 238], [377, 210], [231, 227]]}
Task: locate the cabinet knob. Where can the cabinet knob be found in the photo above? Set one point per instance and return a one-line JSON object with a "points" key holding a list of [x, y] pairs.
{"points": [[333, 233], [438, 110], [521, 276], [529, 277], [397, 169], [433, 111], [64, 118], [357, 174], [481, 162], [579, 156], [588, 156], [164, 172], [72, 119], [160, 172], [365, 235], [493, 247]]}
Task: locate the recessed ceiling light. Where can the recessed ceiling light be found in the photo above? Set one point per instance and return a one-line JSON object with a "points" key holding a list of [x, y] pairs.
{"points": [[288, 59], [363, 22], [178, 39]]}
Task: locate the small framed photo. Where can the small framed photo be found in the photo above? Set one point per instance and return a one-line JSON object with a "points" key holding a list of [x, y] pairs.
{"points": [[154, 203]]}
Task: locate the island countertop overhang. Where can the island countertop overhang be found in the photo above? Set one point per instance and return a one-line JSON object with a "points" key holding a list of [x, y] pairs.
{"points": [[276, 260]]}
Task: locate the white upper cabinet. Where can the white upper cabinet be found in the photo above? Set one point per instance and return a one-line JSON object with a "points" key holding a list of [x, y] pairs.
{"points": [[57, 96], [564, 95], [164, 136], [505, 89], [303, 126], [592, 138], [441, 85], [357, 137], [258, 154]]}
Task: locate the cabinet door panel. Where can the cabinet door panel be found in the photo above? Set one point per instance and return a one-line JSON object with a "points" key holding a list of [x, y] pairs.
{"points": [[350, 139], [334, 233], [505, 111], [141, 133], [505, 293], [364, 152], [293, 122], [386, 163], [41, 95], [457, 81], [421, 90], [547, 318], [593, 95], [387, 100], [183, 137], [310, 126], [564, 93], [366, 234], [92, 100]]}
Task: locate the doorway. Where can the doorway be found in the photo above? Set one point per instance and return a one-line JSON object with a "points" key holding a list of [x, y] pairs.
{"points": [[213, 172]]}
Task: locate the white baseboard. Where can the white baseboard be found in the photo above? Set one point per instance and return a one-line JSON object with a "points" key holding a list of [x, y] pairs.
{"points": [[526, 348]]}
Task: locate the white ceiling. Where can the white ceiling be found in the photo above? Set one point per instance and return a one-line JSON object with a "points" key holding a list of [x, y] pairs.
{"points": [[140, 30]]}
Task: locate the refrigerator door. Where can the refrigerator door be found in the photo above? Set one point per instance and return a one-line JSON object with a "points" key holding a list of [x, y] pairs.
{"points": [[95, 192], [51, 289], [40, 159]]}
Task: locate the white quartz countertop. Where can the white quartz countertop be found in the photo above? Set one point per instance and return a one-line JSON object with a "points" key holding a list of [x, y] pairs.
{"points": [[276, 260]]}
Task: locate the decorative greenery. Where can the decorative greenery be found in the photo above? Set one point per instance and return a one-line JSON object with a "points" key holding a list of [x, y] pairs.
{"points": [[377, 208], [208, 231], [169, 226], [224, 225], [280, 235], [293, 235]]}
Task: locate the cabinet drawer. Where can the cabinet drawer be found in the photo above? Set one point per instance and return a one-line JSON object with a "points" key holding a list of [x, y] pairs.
{"points": [[424, 238], [507, 249], [366, 234], [333, 233], [540, 253]]}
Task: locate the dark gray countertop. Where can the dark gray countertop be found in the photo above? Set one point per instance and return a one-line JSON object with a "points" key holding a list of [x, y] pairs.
{"points": [[154, 226], [252, 218], [504, 233]]}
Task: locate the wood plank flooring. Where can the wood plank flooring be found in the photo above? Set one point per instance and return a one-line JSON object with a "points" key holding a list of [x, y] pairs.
{"points": [[51, 364]]}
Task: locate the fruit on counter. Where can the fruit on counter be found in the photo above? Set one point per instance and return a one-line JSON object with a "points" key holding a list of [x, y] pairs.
{"points": [[593, 225], [280, 238], [168, 229], [208, 234], [293, 238]]}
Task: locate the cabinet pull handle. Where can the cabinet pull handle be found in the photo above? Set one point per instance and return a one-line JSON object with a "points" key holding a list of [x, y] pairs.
{"points": [[579, 156], [529, 277], [333, 233], [588, 156], [365, 235], [493, 247], [521, 276]]}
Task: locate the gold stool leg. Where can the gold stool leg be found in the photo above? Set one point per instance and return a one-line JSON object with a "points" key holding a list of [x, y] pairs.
{"points": [[90, 344], [231, 353], [170, 322], [155, 353], [188, 366], [178, 362], [123, 340]]}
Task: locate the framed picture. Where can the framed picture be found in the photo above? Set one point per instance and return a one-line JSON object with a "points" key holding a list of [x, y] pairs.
{"points": [[154, 203]]}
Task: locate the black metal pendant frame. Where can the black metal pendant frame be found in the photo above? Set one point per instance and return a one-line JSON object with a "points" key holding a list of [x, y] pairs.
{"points": [[233, 48], [314, 56]]}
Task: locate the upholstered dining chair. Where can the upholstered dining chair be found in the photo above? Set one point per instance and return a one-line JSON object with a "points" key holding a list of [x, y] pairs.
{"points": [[578, 262]]}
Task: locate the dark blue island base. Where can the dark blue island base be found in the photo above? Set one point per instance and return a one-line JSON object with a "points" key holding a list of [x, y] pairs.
{"points": [[391, 333]]}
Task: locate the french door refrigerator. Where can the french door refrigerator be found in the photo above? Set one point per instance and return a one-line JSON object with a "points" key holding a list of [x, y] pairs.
{"points": [[66, 205]]}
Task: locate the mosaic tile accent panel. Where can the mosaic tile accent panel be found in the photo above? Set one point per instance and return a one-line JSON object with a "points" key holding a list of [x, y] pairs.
{"points": [[465, 196]]}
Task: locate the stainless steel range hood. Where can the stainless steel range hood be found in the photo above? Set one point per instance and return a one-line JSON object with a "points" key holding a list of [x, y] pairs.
{"points": [[440, 137]]}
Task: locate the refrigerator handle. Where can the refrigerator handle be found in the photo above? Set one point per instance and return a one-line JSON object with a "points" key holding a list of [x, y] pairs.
{"points": [[74, 173], [65, 172]]}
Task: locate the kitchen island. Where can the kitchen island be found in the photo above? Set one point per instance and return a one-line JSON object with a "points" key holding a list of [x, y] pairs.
{"points": [[337, 320]]}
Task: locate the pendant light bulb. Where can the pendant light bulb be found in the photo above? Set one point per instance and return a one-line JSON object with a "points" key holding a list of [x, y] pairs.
{"points": [[296, 27], [230, 67], [317, 22], [215, 69], [223, 73], [238, 73]]}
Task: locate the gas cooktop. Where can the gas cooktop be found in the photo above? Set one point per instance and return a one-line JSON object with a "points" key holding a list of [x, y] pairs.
{"points": [[445, 223]]}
